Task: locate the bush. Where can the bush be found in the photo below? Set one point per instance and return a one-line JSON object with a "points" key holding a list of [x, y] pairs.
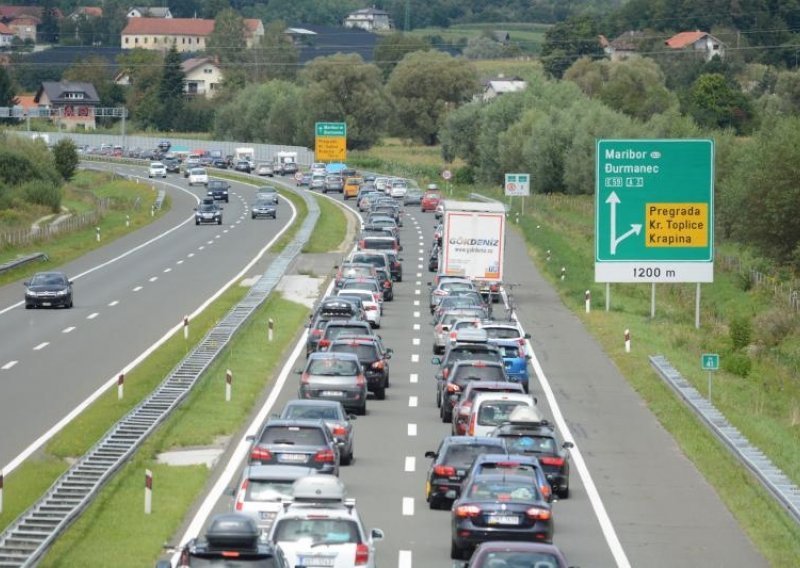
{"points": [[741, 332], [775, 325], [42, 192], [737, 363], [464, 175]]}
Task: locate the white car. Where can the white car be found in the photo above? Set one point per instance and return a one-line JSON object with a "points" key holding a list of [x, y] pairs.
{"points": [[263, 488], [318, 169], [198, 176], [489, 410], [322, 528], [372, 306], [399, 188], [264, 170], [157, 169]]}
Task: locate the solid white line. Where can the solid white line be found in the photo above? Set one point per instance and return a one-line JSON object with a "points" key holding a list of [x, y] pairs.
{"points": [[416, 314], [577, 458], [408, 506], [415, 341], [413, 378], [112, 304], [410, 465], [415, 358], [166, 270], [404, 559], [416, 327], [413, 401], [412, 429], [153, 278], [92, 315], [137, 288], [41, 346], [68, 329], [8, 365]]}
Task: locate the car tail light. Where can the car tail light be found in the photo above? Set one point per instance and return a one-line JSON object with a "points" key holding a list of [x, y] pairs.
{"points": [[467, 511], [361, 244], [538, 514], [387, 283], [494, 287], [445, 373], [324, 342], [444, 470], [316, 332], [339, 431], [550, 460], [472, 419], [362, 554], [325, 456], [240, 499], [439, 328], [260, 454], [452, 336], [453, 388], [361, 381], [465, 408], [546, 490], [304, 378], [377, 365]]}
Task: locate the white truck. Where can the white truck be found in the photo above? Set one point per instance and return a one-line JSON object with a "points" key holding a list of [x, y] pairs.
{"points": [[285, 163], [473, 243], [244, 153]]}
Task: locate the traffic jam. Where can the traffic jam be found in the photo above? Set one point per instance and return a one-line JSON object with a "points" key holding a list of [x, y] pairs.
{"points": [[499, 468]]}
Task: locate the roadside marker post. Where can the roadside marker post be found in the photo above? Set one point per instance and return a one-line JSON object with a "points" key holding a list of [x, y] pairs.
{"points": [[148, 492], [627, 341], [120, 386], [97, 231], [270, 330], [127, 220], [588, 300], [1, 491], [228, 385], [709, 362], [563, 273], [186, 327]]}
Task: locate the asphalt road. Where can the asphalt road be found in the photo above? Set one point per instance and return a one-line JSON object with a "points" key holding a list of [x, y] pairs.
{"points": [[660, 511], [127, 296]]}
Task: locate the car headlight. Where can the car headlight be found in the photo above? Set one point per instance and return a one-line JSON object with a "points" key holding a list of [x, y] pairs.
{"points": [[31, 293], [61, 293]]}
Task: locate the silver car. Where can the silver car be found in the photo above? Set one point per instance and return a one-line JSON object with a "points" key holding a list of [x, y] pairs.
{"points": [[335, 418], [334, 376], [263, 488]]}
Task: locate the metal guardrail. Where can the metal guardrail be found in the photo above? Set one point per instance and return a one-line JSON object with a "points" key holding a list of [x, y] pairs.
{"points": [[11, 264], [31, 534], [773, 479]]}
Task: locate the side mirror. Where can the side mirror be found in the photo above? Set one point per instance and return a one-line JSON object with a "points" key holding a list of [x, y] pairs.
{"points": [[26, 283], [250, 438], [376, 534], [527, 336], [163, 564], [567, 445], [535, 400], [436, 360], [195, 208], [352, 417], [231, 492], [298, 371], [430, 454]]}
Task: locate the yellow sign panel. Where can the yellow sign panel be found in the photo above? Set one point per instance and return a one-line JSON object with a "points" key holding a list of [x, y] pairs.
{"points": [[330, 148], [676, 225]]}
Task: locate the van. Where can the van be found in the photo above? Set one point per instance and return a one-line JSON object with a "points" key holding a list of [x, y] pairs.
{"points": [[490, 410]]}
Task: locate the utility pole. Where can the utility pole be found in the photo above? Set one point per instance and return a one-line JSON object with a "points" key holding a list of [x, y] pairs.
{"points": [[407, 23]]}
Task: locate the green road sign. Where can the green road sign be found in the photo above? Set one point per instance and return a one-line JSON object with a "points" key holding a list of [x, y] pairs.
{"points": [[338, 129], [709, 361], [654, 211]]}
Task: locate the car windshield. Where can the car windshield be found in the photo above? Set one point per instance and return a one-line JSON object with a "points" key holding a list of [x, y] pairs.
{"points": [[503, 490], [269, 490], [474, 373], [317, 531], [311, 412], [332, 367], [537, 444], [293, 435], [364, 351], [502, 332], [526, 559], [207, 207], [465, 454], [48, 280], [495, 412]]}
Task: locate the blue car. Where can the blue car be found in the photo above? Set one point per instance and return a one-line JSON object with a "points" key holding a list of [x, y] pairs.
{"points": [[515, 359]]}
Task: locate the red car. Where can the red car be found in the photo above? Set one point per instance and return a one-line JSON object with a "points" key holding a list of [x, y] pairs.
{"points": [[430, 200]]}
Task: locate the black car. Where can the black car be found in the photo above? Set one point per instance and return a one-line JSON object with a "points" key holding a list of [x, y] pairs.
{"points": [[463, 352], [464, 372], [164, 146], [385, 277], [263, 208], [48, 289], [172, 165], [451, 464], [395, 266], [219, 163], [507, 553], [305, 443], [243, 166], [218, 190], [499, 507], [539, 439], [208, 212], [373, 357], [230, 536]]}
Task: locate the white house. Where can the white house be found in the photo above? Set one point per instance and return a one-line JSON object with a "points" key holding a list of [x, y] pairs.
{"points": [[502, 85], [369, 19], [149, 12], [6, 35], [203, 77]]}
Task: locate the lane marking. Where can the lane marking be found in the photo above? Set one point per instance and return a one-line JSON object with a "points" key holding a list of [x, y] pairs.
{"points": [[415, 358], [413, 401], [179, 262], [10, 364], [112, 304], [410, 465], [413, 378], [404, 559], [419, 274], [137, 288], [225, 231], [416, 314], [209, 242], [68, 329], [92, 315], [417, 292], [190, 255], [408, 506], [421, 259], [416, 302], [415, 341], [201, 247], [217, 236], [421, 251], [41, 346], [416, 327], [419, 266], [412, 428], [153, 278], [166, 270], [418, 283]]}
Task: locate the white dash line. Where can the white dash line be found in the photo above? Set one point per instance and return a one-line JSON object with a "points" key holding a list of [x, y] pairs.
{"points": [[415, 341], [137, 288], [217, 236], [404, 559], [153, 279], [416, 302], [413, 378], [190, 255], [416, 314], [415, 358], [92, 315], [167, 270], [417, 292], [68, 329], [408, 506], [225, 231], [413, 401], [418, 283], [179, 262], [412, 428], [41, 346], [411, 464], [419, 266], [10, 364], [201, 247], [421, 251], [421, 258], [419, 274], [416, 327], [112, 304]]}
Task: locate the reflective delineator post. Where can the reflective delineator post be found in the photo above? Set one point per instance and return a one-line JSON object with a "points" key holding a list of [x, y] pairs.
{"points": [[228, 385], [588, 300], [1, 490], [148, 492], [120, 386], [97, 232], [563, 273], [548, 255], [270, 330], [186, 327], [127, 220], [627, 341]]}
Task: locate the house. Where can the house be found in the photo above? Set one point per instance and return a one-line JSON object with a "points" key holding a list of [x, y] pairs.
{"points": [[501, 36], [501, 85], [623, 46], [86, 12], [148, 12], [203, 76], [701, 43], [369, 19], [71, 103], [6, 36], [187, 34]]}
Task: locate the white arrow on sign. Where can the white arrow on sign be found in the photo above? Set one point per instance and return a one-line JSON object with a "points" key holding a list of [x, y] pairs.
{"points": [[613, 200]]}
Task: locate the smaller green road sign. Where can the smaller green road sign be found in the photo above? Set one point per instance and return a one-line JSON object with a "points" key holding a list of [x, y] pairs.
{"points": [[709, 361], [337, 129]]}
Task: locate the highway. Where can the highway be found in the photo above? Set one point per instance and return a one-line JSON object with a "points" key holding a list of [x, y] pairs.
{"points": [[128, 295], [635, 499]]}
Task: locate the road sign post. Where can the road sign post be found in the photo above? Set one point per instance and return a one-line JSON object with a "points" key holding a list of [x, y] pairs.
{"points": [[709, 362], [654, 211], [330, 142]]}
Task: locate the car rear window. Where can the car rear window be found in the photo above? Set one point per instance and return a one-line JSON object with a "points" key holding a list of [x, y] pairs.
{"points": [[361, 285], [332, 367], [294, 435], [509, 351], [375, 260], [473, 373], [495, 412], [268, 491], [465, 454], [509, 468], [364, 351], [310, 412], [503, 490], [317, 531], [502, 333], [538, 444], [218, 559], [379, 244]]}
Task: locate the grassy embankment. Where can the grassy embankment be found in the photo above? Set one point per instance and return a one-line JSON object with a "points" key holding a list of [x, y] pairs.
{"points": [[764, 404]]}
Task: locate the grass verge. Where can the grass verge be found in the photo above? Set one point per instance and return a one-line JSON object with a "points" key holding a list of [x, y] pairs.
{"points": [[331, 228], [130, 201], [117, 516]]}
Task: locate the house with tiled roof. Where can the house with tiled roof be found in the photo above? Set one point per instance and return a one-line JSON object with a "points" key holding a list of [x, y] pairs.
{"points": [[702, 43], [6, 35], [86, 12], [501, 85], [149, 12], [369, 19], [73, 102], [186, 34], [623, 46], [202, 77]]}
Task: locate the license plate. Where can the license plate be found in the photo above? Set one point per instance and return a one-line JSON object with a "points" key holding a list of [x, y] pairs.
{"points": [[46, 303], [503, 520], [266, 515], [309, 561], [461, 472], [332, 393], [294, 458]]}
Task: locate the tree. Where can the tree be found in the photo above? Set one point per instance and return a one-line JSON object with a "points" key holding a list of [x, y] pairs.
{"points": [[482, 47], [65, 155], [96, 70], [47, 30], [713, 102], [170, 91], [426, 85], [275, 56], [343, 88], [568, 41], [8, 95], [391, 49], [227, 41], [267, 112]]}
